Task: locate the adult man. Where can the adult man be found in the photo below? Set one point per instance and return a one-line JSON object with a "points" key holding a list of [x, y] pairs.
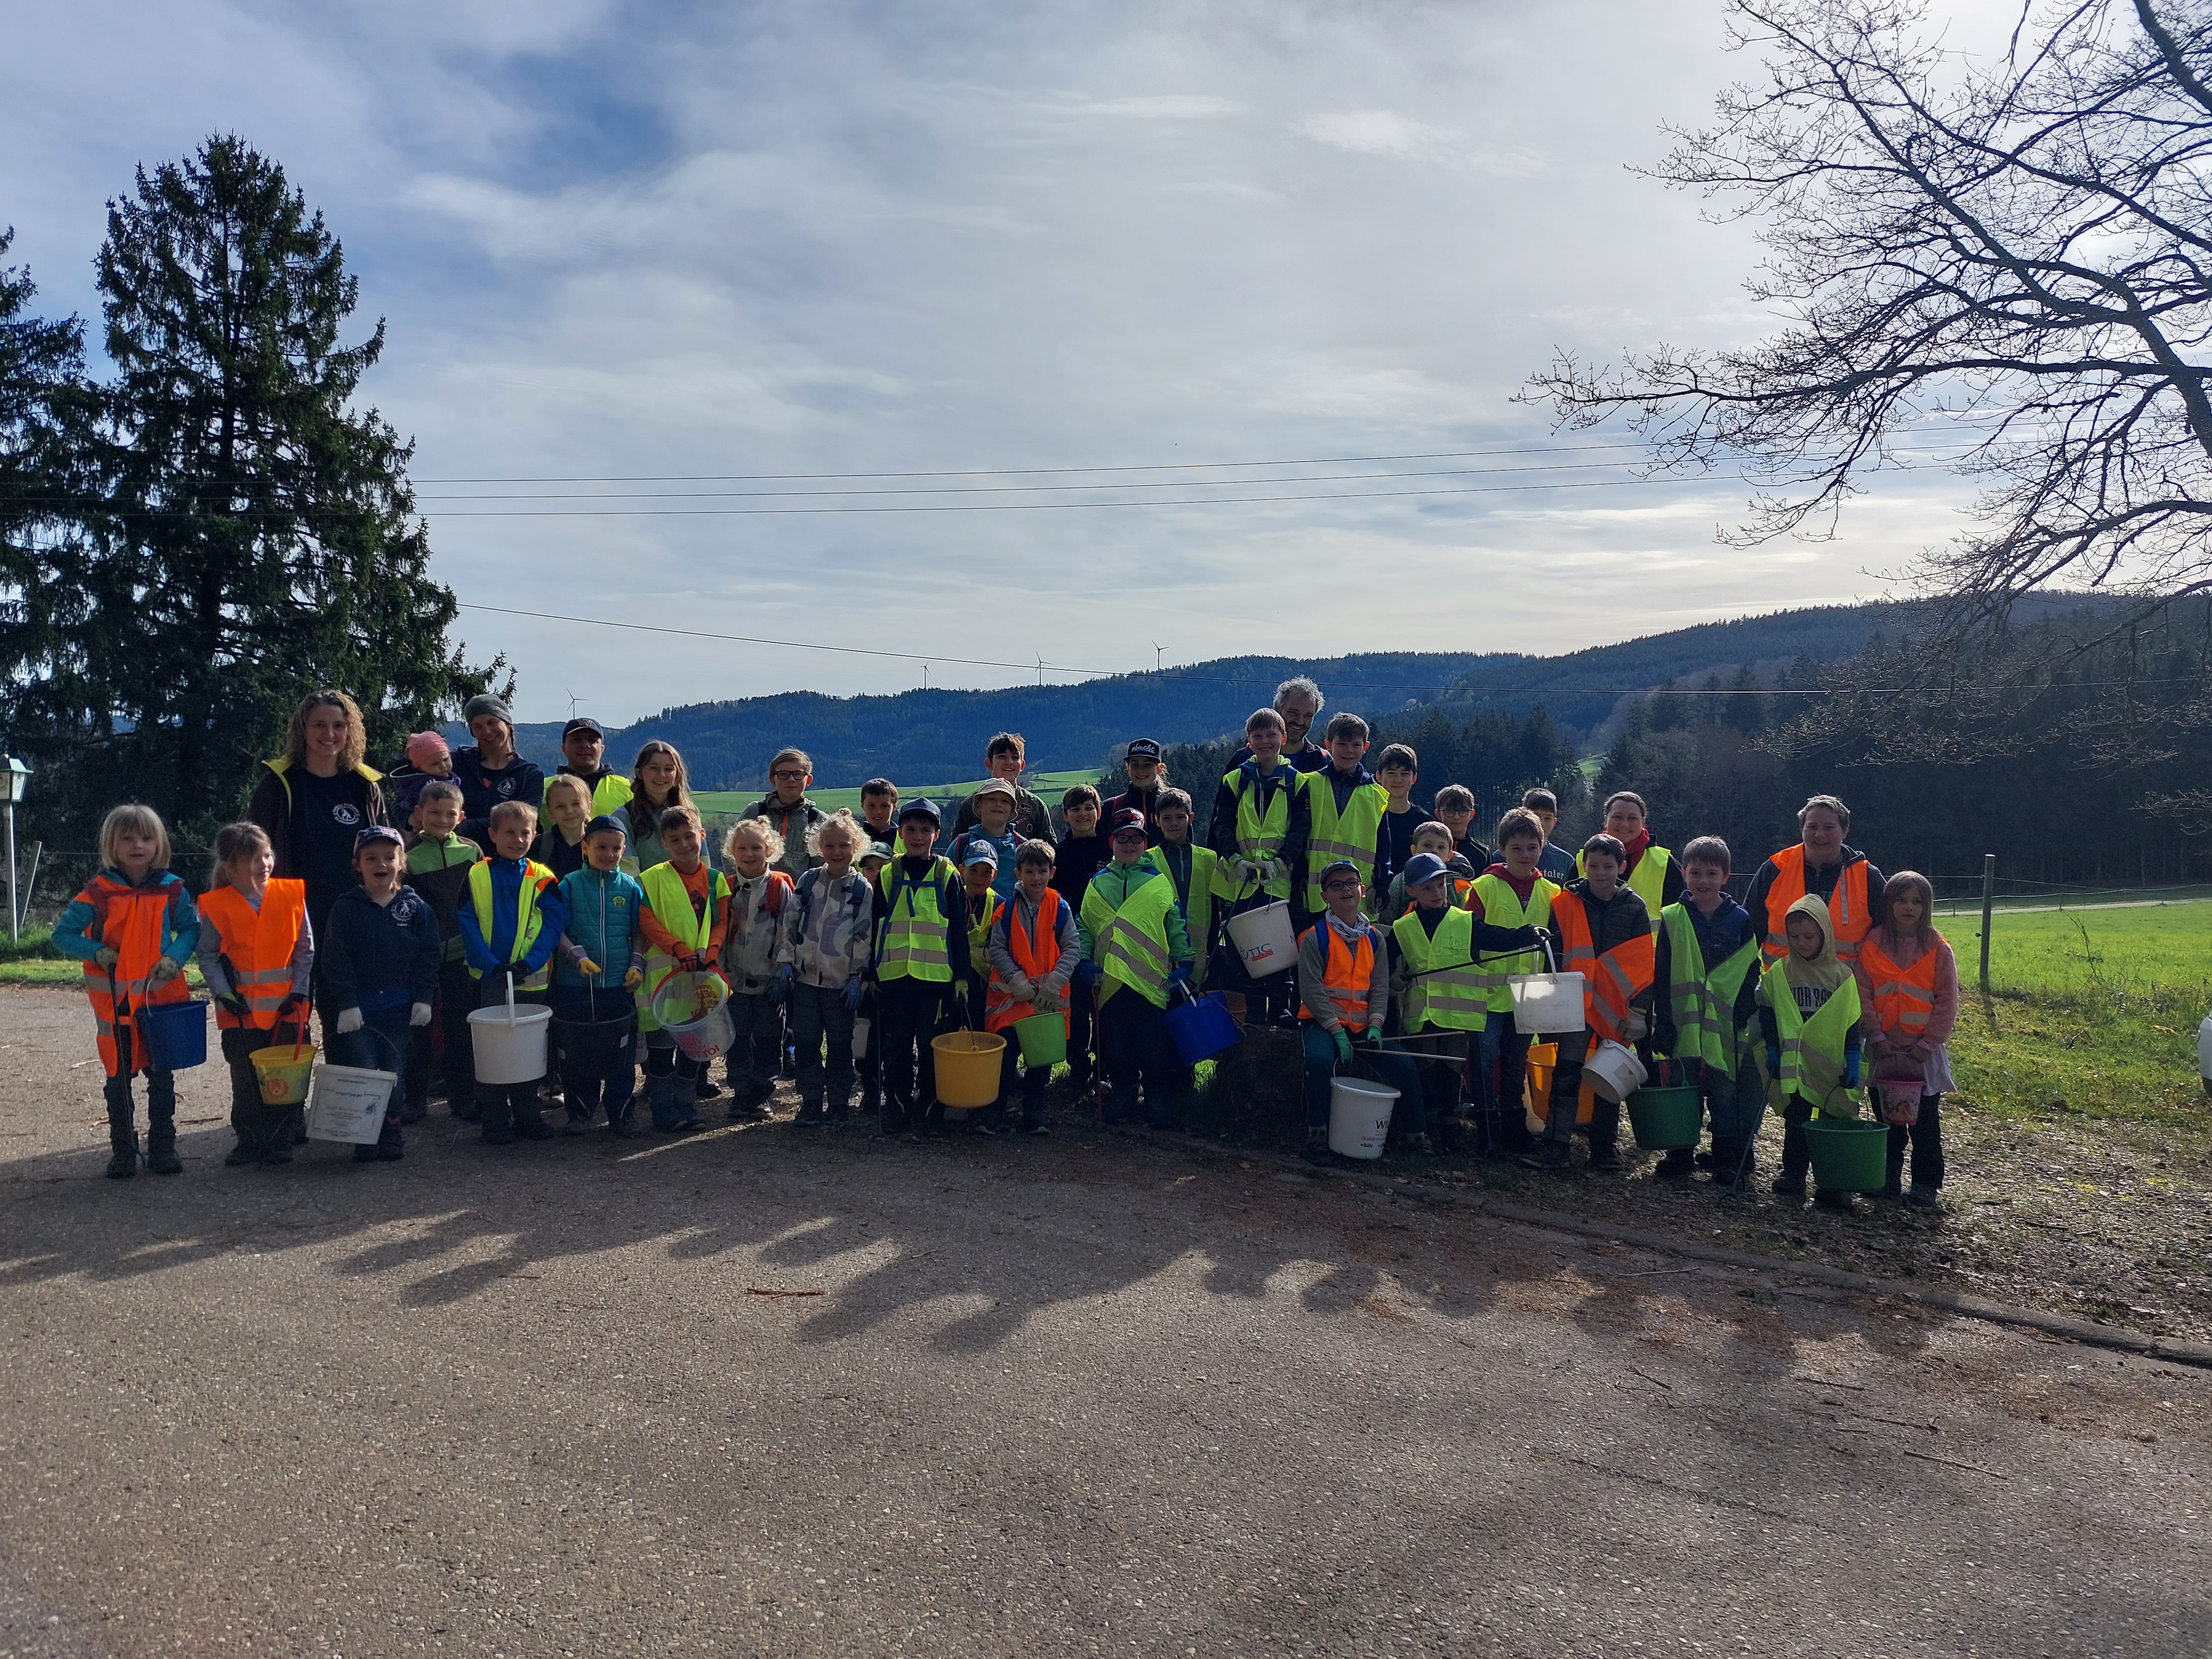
{"points": [[583, 755], [1297, 700]]}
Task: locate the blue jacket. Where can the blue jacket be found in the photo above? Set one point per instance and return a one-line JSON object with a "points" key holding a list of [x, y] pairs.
{"points": [[375, 957], [603, 912], [487, 955]]}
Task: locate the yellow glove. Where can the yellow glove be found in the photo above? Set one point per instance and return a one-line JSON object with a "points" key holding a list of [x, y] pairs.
{"points": [[633, 979], [588, 968]]}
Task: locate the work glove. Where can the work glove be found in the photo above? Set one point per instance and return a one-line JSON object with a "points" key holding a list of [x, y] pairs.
{"points": [[855, 988], [349, 1022], [1020, 989], [1369, 1038], [1638, 1027], [1086, 973], [1244, 870], [234, 1006], [779, 987], [419, 1015], [1180, 975], [1774, 1060], [106, 956], [165, 970], [588, 968], [696, 963], [1343, 1048], [633, 979], [290, 1006], [1275, 871], [1850, 1071]]}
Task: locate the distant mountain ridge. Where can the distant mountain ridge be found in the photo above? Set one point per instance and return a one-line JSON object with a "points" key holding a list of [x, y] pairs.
{"points": [[941, 733]]}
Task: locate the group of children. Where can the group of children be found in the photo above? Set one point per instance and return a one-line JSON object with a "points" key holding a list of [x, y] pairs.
{"points": [[841, 945]]}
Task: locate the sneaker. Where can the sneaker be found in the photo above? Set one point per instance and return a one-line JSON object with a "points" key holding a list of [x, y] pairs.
{"points": [[1036, 1126], [573, 1126], [709, 1091], [468, 1112], [748, 1112], [624, 1125], [533, 1128], [245, 1152], [810, 1116], [1675, 1166], [981, 1127], [415, 1111], [1788, 1186], [839, 1114], [364, 1154], [277, 1152], [1549, 1155], [390, 1152], [1828, 1198], [1604, 1158], [1421, 1146], [1925, 1198]]}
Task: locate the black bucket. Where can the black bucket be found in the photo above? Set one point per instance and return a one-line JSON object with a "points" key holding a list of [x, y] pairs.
{"points": [[593, 1044]]}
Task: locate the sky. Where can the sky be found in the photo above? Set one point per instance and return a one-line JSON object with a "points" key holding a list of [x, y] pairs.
{"points": [[768, 247]]}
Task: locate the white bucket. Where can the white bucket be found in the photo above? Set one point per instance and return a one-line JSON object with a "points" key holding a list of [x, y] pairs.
{"points": [[2204, 1053], [1359, 1116], [1546, 1004], [1263, 937], [348, 1103], [510, 1042], [1614, 1071], [705, 1034]]}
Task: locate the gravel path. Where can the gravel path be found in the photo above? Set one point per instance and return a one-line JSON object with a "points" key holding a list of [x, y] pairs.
{"points": [[1093, 1393]]}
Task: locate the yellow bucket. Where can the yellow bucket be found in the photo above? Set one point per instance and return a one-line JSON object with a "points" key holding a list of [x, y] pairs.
{"points": [[967, 1067], [283, 1073]]}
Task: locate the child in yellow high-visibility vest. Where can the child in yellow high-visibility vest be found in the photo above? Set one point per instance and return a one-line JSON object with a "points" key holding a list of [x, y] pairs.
{"points": [[687, 911], [511, 921]]}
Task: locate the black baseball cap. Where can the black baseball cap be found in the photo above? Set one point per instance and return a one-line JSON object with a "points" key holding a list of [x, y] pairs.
{"points": [[1143, 749], [923, 808], [583, 723]]}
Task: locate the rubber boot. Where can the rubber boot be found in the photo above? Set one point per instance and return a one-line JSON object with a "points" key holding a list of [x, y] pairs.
{"points": [[123, 1144], [161, 1144], [1893, 1184]]}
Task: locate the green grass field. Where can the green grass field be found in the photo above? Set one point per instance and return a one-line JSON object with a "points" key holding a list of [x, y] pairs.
{"points": [[728, 803]]}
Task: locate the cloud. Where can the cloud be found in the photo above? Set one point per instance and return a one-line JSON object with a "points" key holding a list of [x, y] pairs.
{"points": [[1380, 132]]}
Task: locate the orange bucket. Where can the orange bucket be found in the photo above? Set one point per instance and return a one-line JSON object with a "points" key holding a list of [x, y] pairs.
{"points": [[1536, 1104]]}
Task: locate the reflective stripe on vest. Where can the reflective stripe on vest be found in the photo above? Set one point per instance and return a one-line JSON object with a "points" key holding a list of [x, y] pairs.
{"points": [[1346, 972], [536, 878], [1702, 1003], [1260, 837], [1814, 1063], [1447, 989], [1132, 941], [1904, 998], [979, 927], [1502, 907], [257, 947], [916, 943], [1349, 838], [1848, 921], [1611, 981], [132, 919], [1648, 880], [1035, 954]]}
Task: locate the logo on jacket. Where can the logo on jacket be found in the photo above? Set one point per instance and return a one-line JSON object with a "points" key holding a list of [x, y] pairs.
{"points": [[346, 814], [504, 786]]}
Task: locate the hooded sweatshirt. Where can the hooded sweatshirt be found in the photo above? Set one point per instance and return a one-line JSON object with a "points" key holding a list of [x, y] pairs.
{"points": [[1812, 982]]}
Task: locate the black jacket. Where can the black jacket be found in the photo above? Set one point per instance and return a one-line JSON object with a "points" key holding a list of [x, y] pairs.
{"points": [[377, 956]]}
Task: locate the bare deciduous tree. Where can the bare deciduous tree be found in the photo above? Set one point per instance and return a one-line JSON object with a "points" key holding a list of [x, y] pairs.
{"points": [[2015, 252]]}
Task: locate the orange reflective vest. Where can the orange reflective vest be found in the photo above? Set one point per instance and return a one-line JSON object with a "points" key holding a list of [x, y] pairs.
{"points": [[1345, 976], [257, 947], [1037, 955], [131, 919], [1847, 906], [1904, 998], [1611, 981]]}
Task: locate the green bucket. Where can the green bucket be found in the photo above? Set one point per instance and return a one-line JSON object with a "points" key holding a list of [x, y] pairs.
{"points": [[1848, 1154], [1044, 1038], [1666, 1119]]}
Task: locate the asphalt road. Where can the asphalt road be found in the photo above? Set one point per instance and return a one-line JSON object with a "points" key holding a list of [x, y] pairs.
{"points": [[1101, 1393]]}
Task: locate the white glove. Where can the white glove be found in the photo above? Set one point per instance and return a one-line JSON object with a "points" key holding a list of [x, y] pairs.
{"points": [[349, 1022], [1020, 989], [165, 970], [1243, 869], [1638, 1027], [419, 1014]]}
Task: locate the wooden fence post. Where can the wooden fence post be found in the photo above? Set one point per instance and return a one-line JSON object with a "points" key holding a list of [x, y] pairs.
{"points": [[1989, 909]]}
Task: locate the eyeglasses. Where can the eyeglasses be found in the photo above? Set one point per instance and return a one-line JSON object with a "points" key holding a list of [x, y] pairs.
{"points": [[786, 777]]}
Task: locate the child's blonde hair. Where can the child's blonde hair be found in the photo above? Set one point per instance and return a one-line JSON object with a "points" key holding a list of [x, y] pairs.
{"points": [[565, 783], [132, 819], [841, 822], [234, 842], [1433, 827], [759, 827], [508, 809]]}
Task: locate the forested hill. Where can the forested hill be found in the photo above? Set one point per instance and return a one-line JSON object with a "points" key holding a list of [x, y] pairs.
{"points": [[915, 735]]}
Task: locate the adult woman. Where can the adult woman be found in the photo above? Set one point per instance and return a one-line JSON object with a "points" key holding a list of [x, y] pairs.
{"points": [[1652, 874], [314, 799], [657, 782], [490, 771], [1822, 865]]}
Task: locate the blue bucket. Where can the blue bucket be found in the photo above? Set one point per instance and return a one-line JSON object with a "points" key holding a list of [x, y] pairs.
{"points": [[175, 1034], [1202, 1028]]}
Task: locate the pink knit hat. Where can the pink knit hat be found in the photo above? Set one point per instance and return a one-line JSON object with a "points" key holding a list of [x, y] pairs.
{"points": [[424, 747]]}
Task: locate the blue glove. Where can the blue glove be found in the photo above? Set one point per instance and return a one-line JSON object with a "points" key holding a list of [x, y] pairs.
{"points": [[855, 988], [779, 987], [1181, 976], [1086, 973], [1852, 1071], [1774, 1060]]}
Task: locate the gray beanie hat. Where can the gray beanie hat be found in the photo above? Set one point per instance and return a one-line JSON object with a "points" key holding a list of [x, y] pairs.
{"points": [[485, 703]]}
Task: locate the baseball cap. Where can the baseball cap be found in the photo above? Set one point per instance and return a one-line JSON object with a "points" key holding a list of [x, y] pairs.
{"points": [[376, 832], [583, 723], [1144, 749], [1347, 867], [1128, 818], [996, 787], [606, 824], [981, 852], [1423, 867], [875, 849], [922, 808]]}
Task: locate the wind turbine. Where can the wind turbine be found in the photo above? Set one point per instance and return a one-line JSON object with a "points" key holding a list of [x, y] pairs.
{"points": [[1158, 650]]}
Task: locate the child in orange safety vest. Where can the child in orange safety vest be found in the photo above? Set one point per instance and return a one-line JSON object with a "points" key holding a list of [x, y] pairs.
{"points": [[1909, 1005], [257, 956], [1033, 949], [1344, 991], [134, 927], [1604, 934]]}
